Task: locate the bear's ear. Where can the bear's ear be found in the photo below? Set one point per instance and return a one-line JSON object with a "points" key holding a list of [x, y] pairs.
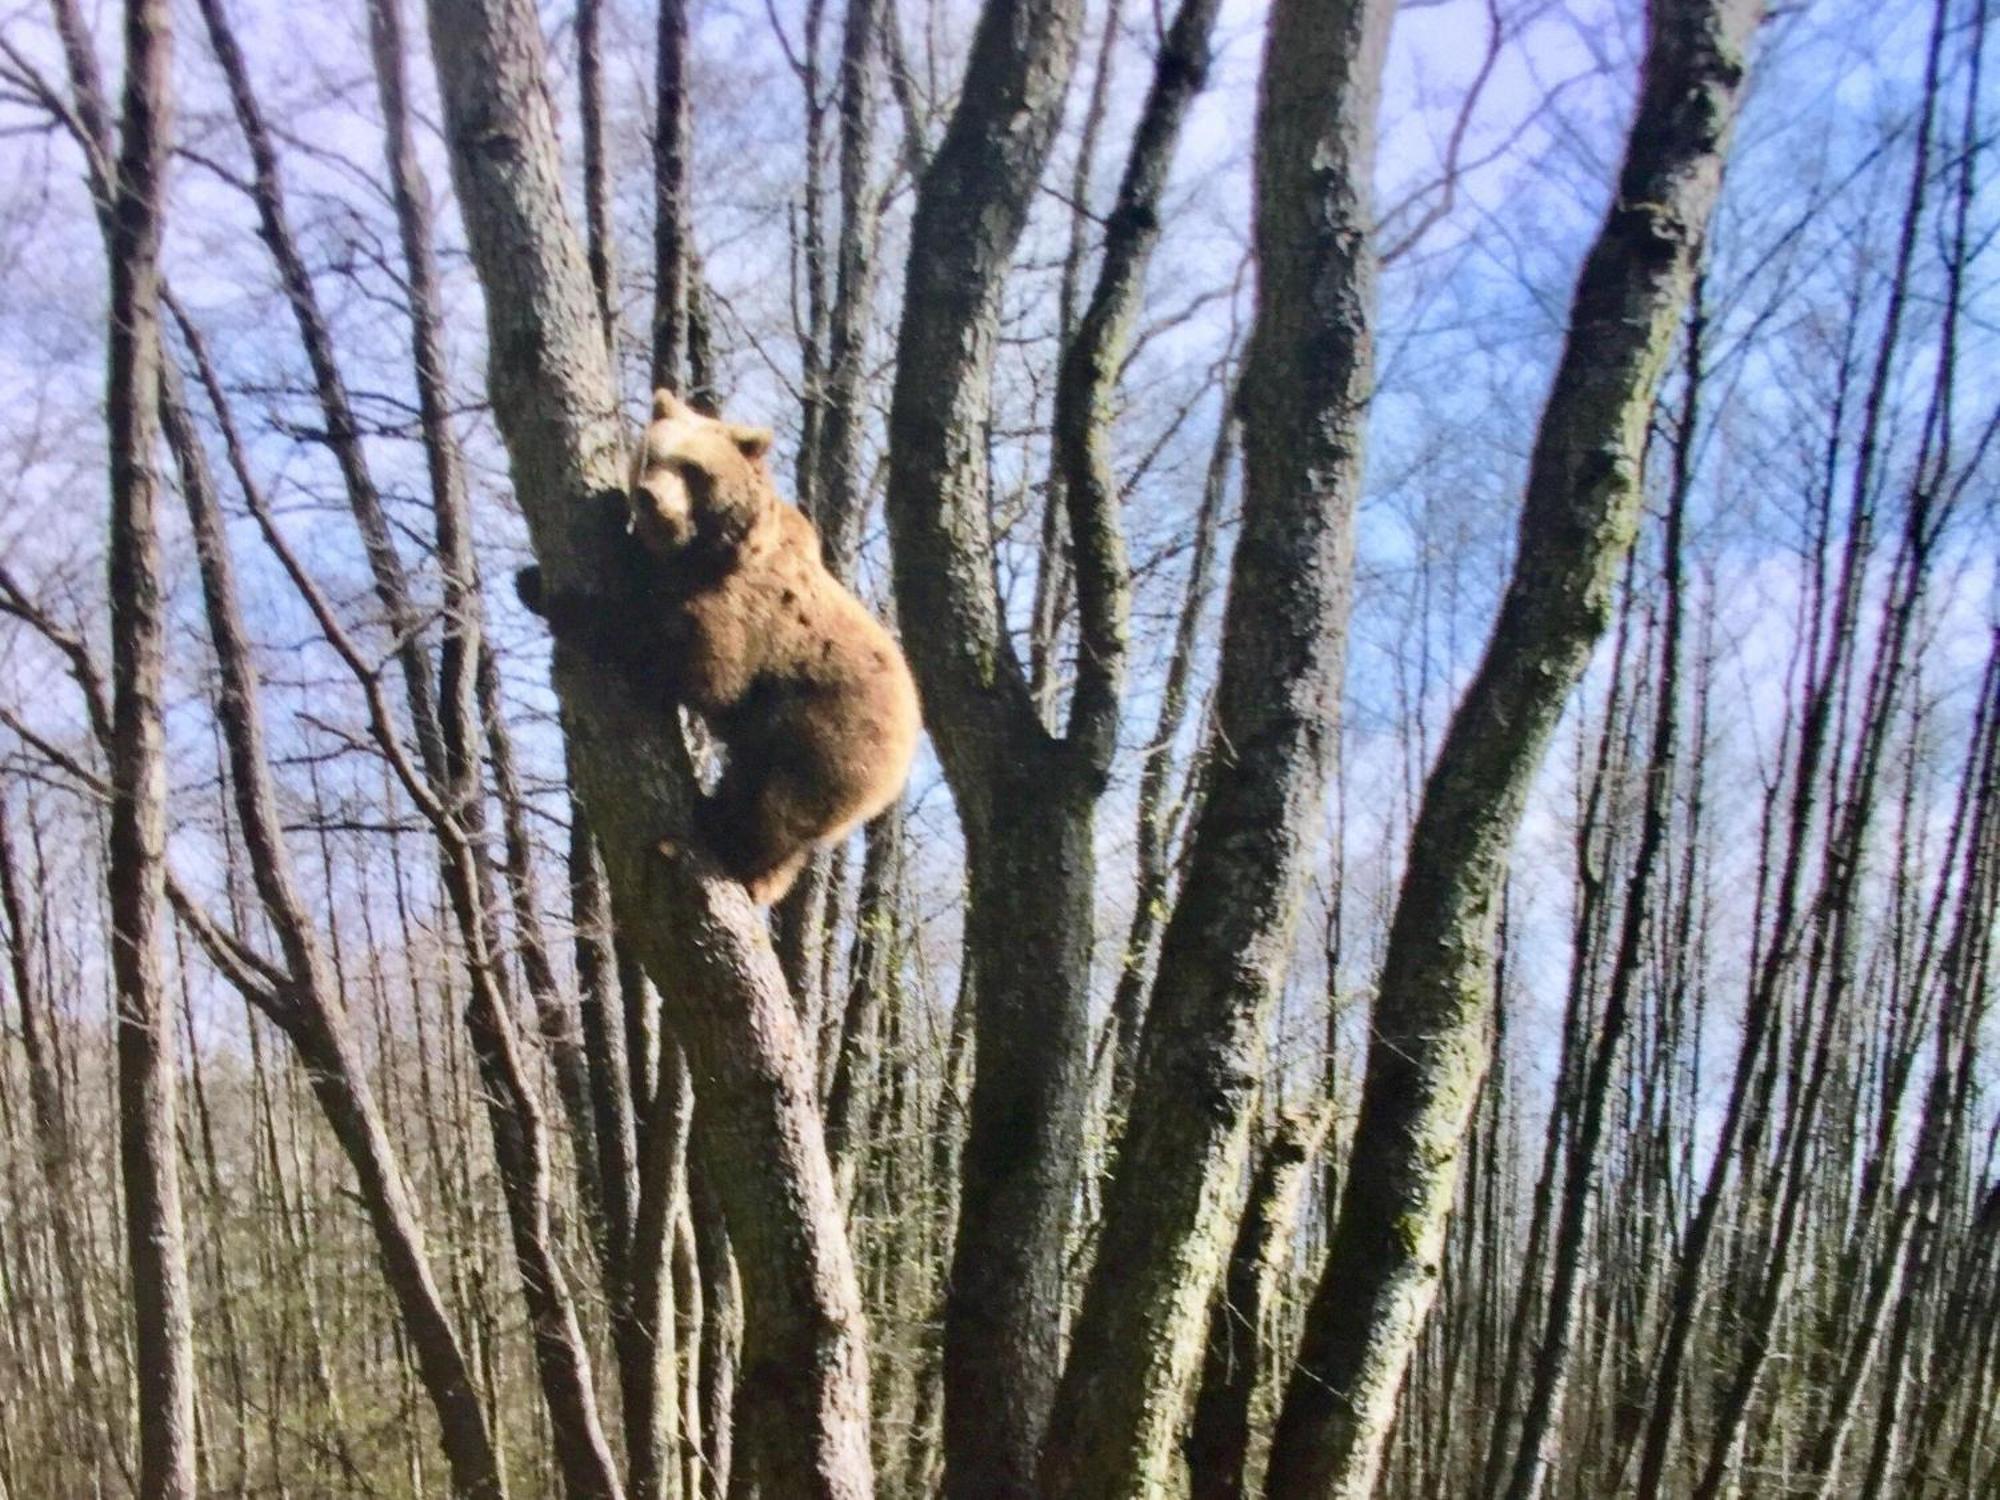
{"points": [[667, 406], [754, 442]]}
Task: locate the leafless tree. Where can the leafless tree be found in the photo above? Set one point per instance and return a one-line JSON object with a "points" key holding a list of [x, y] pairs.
{"points": [[1270, 1049]]}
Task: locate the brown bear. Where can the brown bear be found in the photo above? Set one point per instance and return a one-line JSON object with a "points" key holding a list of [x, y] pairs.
{"points": [[741, 622]]}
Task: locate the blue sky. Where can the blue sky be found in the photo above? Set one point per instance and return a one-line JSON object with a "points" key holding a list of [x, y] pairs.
{"points": [[1471, 320]]}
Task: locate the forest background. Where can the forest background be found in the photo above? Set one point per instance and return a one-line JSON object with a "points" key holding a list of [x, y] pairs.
{"points": [[472, 1197]]}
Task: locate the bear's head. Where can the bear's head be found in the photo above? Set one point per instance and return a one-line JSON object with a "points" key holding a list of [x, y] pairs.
{"points": [[700, 492]]}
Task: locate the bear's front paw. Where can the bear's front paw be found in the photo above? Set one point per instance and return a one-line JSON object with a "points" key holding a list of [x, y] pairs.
{"points": [[528, 588]]}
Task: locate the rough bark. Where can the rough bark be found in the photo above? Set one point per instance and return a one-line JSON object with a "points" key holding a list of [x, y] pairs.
{"points": [[915, 152], [603, 1027], [673, 246], [1052, 572], [149, 1162], [1087, 386], [808, 257], [694, 931], [871, 983], [596, 169], [1237, 1364], [838, 496], [704, 390], [1024, 800], [1431, 1043], [1169, 1208]]}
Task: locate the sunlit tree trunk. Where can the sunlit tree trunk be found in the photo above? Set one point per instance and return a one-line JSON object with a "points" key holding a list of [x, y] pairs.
{"points": [[1168, 1216], [1231, 1411], [1430, 1046]]}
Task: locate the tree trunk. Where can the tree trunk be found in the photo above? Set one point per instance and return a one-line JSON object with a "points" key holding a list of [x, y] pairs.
{"points": [[1431, 1044], [596, 170], [838, 496], [1542, 1427], [1052, 573], [695, 931], [672, 244], [149, 1160], [1237, 1363], [1169, 1209], [1024, 800]]}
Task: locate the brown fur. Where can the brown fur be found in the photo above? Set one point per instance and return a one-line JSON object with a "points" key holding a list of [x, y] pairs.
{"points": [[808, 693]]}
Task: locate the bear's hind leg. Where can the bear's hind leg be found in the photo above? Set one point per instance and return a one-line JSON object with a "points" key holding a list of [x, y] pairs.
{"points": [[769, 888], [761, 825]]}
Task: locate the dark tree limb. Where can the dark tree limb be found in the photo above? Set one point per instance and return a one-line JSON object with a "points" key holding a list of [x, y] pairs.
{"points": [[1087, 387], [596, 169], [163, 1354], [673, 241], [1237, 1365]]}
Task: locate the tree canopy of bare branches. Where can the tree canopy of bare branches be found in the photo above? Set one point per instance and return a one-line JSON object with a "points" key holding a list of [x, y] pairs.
{"points": [[1441, 938]]}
